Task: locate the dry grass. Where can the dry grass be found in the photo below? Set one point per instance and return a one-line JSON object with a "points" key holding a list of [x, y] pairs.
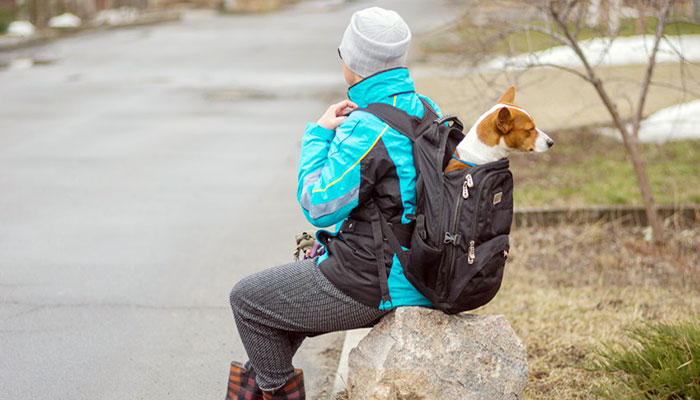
{"points": [[568, 289]]}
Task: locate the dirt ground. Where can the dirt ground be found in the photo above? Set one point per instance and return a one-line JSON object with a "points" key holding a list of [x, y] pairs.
{"points": [[556, 99], [569, 289]]}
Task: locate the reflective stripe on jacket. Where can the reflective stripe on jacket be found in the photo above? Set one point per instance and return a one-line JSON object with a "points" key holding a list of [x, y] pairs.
{"points": [[340, 170]]}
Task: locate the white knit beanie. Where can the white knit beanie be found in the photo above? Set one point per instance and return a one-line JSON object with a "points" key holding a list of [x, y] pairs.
{"points": [[375, 40]]}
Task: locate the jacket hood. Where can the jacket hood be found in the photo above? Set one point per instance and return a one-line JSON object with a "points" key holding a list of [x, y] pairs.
{"points": [[378, 88]]}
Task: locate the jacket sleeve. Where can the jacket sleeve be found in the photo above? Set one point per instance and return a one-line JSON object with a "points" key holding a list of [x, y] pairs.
{"points": [[329, 172]]}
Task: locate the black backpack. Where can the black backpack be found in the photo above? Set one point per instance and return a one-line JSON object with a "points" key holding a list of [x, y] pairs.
{"points": [[459, 244]]}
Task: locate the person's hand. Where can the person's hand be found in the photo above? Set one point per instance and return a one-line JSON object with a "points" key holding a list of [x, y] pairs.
{"points": [[336, 114]]}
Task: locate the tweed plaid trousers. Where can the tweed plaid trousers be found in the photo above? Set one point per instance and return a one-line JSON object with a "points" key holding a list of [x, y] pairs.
{"points": [[276, 309]]}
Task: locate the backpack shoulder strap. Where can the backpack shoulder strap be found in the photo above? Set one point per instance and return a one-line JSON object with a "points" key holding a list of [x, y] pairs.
{"points": [[410, 127], [400, 120]]}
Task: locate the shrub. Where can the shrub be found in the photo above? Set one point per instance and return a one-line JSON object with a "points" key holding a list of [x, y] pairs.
{"points": [[662, 362]]}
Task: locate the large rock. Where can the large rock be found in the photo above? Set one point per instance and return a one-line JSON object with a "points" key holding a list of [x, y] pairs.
{"points": [[419, 353]]}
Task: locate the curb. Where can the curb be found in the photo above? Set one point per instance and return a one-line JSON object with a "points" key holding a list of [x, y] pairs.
{"points": [[53, 34], [352, 338], [683, 214]]}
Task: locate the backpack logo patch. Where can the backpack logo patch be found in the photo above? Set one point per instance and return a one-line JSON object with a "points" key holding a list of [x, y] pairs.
{"points": [[497, 198]]}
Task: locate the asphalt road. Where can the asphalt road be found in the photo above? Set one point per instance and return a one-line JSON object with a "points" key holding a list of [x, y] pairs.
{"points": [[143, 172]]}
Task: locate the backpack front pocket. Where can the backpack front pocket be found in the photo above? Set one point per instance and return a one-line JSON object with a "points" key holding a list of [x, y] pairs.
{"points": [[473, 285]]}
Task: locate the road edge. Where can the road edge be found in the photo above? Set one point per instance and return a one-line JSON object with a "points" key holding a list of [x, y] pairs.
{"points": [[352, 339]]}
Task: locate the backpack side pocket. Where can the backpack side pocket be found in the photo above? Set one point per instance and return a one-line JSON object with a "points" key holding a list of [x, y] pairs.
{"points": [[423, 266]]}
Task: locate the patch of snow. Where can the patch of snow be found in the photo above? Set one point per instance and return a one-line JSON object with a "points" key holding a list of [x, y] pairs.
{"points": [[631, 50], [21, 63], [678, 122], [21, 29], [65, 20], [121, 16]]}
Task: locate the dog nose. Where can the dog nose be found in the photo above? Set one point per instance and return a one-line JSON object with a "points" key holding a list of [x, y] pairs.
{"points": [[550, 142]]}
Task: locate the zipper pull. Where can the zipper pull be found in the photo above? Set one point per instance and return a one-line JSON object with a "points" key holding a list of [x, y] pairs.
{"points": [[468, 182], [472, 253]]}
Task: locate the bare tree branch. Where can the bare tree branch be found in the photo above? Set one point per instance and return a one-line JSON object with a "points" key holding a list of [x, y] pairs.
{"points": [[666, 6], [561, 67], [501, 35], [570, 6], [572, 42], [676, 51], [579, 20], [534, 28], [592, 76], [681, 88], [685, 76], [630, 142]]}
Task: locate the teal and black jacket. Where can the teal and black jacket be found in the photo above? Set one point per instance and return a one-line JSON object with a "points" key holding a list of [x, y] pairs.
{"points": [[339, 171]]}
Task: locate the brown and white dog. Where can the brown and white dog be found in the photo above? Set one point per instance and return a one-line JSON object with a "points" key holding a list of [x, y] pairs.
{"points": [[499, 131]]}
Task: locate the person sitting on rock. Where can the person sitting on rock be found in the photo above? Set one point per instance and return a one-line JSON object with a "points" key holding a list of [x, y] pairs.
{"points": [[349, 163]]}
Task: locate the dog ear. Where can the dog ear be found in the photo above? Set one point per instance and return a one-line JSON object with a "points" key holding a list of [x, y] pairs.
{"points": [[508, 96], [504, 121]]}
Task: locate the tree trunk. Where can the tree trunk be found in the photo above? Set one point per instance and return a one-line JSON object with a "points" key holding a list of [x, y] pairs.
{"points": [[630, 141], [632, 146], [645, 188], [642, 11]]}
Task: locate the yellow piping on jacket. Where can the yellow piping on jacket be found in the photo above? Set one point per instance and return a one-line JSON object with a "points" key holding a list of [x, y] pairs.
{"points": [[356, 162]]}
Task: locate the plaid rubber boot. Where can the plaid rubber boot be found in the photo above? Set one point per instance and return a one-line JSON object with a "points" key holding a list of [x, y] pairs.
{"points": [[241, 384], [292, 390]]}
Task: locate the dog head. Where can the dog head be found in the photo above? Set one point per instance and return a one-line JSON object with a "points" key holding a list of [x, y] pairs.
{"points": [[499, 131], [509, 126]]}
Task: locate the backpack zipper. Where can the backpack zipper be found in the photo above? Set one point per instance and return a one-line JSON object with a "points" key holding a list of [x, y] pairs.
{"points": [[471, 255], [449, 237]]}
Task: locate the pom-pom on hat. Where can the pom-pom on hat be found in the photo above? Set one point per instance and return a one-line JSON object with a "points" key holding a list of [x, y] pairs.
{"points": [[375, 40]]}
